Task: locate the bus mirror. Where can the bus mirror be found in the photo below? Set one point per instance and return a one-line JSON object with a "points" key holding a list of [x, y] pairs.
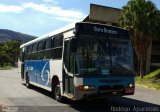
{"points": [[73, 45], [74, 31]]}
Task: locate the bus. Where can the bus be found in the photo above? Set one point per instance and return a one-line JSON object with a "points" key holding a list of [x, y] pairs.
{"points": [[80, 61]]}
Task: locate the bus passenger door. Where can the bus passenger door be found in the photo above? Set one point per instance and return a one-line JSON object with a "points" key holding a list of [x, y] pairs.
{"points": [[68, 68]]}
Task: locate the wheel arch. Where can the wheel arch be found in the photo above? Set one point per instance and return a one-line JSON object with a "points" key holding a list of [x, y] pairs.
{"points": [[55, 81]]}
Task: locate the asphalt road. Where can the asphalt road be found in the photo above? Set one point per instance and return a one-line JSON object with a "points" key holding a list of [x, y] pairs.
{"points": [[15, 97]]}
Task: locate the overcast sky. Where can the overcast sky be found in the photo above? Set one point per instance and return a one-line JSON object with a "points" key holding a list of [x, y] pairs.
{"points": [[38, 17]]}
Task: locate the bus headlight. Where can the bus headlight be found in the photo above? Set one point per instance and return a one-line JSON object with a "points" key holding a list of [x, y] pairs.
{"points": [[130, 88], [86, 87], [131, 85]]}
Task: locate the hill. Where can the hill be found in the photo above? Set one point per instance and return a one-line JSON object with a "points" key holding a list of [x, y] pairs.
{"points": [[12, 35]]}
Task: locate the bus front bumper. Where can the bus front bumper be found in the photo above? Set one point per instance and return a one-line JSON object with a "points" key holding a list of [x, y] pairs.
{"points": [[96, 94]]}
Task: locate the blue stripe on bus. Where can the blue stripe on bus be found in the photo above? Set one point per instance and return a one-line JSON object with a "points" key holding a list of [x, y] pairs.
{"points": [[38, 71], [108, 81]]}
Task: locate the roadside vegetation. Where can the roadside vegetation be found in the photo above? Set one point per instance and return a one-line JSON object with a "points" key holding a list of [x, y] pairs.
{"points": [[6, 67], [151, 80], [9, 51], [142, 19]]}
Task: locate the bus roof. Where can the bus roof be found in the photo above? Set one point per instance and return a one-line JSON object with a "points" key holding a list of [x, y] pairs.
{"points": [[58, 31], [71, 27]]}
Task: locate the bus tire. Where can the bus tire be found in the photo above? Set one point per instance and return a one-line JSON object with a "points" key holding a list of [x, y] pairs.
{"points": [[28, 85], [57, 93]]}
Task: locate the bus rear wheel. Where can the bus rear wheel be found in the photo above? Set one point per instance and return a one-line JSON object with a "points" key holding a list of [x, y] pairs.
{"points": [[57, 93], [28, 85]]}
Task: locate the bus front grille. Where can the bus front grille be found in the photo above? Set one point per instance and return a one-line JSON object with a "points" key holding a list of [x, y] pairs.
{"points": [[109, 87]]}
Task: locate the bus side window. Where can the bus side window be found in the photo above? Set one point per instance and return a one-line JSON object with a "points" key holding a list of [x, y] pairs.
{"points": [[41, 46], [29, 49], [28, 52], [47, 52], [58, 41], [48, 44], [34, 50], [57, 47]]}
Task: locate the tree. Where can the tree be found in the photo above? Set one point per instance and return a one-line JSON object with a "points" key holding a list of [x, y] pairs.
{"points": [[140, 18], [13, 50], [9, 52], [4, 57]]}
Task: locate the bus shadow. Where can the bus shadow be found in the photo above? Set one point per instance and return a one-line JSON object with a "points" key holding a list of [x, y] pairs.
{"points": [[115, 104], [110, 104], [40, 90]]}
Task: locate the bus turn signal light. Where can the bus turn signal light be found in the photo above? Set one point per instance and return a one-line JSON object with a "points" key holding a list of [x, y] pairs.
{"points": [[85, 87]]}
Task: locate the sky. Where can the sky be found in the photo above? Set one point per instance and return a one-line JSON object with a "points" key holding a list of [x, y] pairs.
{"points": [[38, 17]]}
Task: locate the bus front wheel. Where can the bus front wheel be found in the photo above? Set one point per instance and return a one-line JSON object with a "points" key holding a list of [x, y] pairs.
{"points": [[57, 93]]}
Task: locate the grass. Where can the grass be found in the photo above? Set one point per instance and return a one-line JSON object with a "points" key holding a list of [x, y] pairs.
{"points": [[6, 68], [151, 80]]}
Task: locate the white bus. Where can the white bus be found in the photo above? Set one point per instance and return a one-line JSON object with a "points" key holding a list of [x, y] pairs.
{"points": [[80, 61]]}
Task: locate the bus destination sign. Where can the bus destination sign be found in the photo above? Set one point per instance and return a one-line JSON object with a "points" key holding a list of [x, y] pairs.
{"points": [[100, 29], [104, 30]]}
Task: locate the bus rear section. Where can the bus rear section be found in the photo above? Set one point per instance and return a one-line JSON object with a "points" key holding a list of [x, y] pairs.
{"points": [[99, 62]]}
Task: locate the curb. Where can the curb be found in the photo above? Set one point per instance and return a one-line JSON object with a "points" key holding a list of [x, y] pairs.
{"points": [[141, 85]]}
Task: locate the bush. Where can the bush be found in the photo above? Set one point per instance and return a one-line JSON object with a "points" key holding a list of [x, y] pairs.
{"points": [[6, 68]]}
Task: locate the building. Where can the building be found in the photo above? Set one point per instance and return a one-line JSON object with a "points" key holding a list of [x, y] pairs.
{"points": [[110, 16], [103, 14]]}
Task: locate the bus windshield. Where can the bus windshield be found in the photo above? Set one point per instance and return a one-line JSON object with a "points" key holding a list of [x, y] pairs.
{"points": [[98, 55], [121, 56]]}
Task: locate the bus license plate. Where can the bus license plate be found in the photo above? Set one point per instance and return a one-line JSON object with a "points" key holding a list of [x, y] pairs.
{"points": [[114, 92]]}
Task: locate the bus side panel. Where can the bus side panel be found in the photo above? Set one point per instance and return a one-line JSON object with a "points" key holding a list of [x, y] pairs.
{"points": [[38, 71], [43, 75], [29, 69], [56, 69]]}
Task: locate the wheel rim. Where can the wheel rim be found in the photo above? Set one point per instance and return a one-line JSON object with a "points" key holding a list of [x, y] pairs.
{"points": [[57, 92]]}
